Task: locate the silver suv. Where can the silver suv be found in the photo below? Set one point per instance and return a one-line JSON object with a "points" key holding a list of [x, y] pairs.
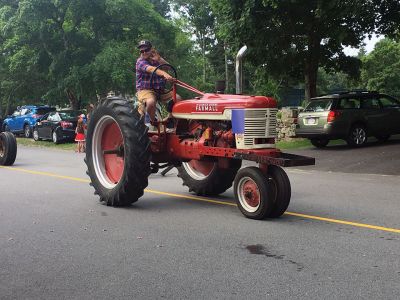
{"points": [[352, 116]]}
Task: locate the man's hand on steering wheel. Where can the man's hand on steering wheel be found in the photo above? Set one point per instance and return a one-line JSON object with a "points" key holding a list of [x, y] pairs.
{"points": [[168, 77]]}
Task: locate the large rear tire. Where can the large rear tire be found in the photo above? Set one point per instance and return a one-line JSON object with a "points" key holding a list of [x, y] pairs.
{"points": [[8, 148], [117, 152], [206, 178]]}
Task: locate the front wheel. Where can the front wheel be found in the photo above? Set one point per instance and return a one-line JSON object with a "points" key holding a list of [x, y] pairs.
{"points": [[8, 148], [36, 135], [55, 138], [280, 184], [117, 152], [27, 131], [253, 193]]}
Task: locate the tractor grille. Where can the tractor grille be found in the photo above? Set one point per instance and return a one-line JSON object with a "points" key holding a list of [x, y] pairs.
{"points": [[259, 123]]}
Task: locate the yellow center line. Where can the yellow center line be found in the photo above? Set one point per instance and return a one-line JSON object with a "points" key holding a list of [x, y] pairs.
{"points": [[355, 224]]}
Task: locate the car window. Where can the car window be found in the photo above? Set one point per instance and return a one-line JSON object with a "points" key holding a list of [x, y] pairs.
{"points": [[319, 105], [370, 103], [54, 117], [68, 115], [349, 103], [16, 113], [44, 110], [45, 117], [389, 102], [24, 111], [51, 117]]}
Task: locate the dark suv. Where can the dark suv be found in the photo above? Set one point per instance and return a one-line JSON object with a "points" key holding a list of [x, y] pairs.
{"points": [[24, 119], [352, 116]]}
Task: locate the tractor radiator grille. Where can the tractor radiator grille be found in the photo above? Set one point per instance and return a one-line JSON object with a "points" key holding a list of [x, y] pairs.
{"points": [[259, 123]]}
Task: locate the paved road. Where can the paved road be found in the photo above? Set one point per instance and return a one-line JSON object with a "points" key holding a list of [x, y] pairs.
{"points": [[58, 241]]}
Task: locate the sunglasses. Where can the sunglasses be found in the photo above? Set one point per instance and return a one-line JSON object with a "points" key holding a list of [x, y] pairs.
{"points": [[145, 50]]}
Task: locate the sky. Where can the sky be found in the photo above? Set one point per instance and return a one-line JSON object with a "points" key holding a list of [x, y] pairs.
{"points": [[369, 45]]}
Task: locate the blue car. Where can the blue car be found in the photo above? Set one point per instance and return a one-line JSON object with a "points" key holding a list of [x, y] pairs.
{"points": [[24, 119]]}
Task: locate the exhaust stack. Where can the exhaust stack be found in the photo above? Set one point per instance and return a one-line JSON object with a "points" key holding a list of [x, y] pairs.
{"points": [[238, 70]]}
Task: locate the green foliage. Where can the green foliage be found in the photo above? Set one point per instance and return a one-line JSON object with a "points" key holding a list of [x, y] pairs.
{"points": [[335, 81], [263, 84], [381, 68], [293, 38], [81, 46]]}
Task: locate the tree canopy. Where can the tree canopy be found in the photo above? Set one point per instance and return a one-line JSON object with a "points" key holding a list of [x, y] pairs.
{"points": [[79, 48], [294, 38], [72, 51], [381, 68]]}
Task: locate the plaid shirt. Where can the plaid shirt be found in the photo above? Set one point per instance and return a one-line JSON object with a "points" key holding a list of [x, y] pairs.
{"points": [[143, 77]]}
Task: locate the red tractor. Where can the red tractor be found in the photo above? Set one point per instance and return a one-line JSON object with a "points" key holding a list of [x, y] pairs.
{"points": [[211, 136]]}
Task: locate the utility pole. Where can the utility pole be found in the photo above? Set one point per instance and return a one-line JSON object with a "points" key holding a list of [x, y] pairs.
{"points": [[226, 67]]}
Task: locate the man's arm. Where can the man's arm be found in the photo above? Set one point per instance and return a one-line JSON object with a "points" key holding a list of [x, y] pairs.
{"points": [[159, 72]]}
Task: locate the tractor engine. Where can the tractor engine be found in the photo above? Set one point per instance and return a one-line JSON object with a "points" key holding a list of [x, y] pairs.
{"points": [[234, 121]]}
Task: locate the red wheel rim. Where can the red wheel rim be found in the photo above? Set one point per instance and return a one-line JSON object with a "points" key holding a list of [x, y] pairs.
{"points": [[251, 193], [112, 139], [204, 167]]}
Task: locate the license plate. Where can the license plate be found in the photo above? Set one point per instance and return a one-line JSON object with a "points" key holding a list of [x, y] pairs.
{"points": [[311, 121]]}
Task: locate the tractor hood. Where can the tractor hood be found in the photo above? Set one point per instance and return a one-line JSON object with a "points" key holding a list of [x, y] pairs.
{"points": [[219, 106]]}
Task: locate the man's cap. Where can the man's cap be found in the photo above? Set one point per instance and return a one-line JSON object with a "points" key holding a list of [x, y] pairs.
{"points": [[145, 43]]}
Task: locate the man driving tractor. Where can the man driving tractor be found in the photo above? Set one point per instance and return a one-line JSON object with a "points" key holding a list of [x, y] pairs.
{"points": [[149, 89]]}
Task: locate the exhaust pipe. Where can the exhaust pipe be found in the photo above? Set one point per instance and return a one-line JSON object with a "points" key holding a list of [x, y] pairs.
{"points": [[238, 70]]}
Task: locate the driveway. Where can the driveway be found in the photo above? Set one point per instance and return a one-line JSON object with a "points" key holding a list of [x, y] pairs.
{"points": [[375, 158]]}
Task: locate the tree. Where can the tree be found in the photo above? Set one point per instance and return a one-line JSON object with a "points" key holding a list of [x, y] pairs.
{"points": [[201, 24], [294, 37], [381, 68], [162, 7], [78, 48]]}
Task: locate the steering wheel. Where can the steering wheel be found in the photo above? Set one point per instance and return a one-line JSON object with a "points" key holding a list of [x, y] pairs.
{"points": [[168, 85]]}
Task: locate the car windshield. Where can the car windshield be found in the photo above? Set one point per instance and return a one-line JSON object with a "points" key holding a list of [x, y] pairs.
{"points": [[68, 115], [44, 110], [319, 105]]}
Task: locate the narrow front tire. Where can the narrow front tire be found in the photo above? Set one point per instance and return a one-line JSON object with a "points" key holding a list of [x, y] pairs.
{"points": [[253, 194]]}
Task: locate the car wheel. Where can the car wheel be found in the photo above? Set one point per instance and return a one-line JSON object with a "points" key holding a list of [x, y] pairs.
{"points": [[55, 138], [27, 131], [383, 137], [36, 135], [319, 143], [357, 136]]}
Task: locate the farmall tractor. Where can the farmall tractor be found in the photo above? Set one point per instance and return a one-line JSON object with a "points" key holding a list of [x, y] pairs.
{"points": [[211, 136]]}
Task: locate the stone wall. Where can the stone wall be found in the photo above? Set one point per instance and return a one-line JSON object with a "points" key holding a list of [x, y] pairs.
{"points": [[286, 124]]}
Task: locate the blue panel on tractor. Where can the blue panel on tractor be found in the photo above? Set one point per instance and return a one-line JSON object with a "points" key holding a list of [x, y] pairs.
{"points": [[238, 121]]}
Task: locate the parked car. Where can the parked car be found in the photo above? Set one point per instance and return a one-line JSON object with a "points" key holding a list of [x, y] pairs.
{"points": [[352, 116], [24, 119], [57, 126]]}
